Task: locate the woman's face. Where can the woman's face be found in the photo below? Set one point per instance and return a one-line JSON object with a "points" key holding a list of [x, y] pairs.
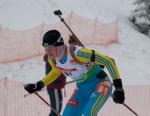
{"points": [[55, 52], [51, 51]]}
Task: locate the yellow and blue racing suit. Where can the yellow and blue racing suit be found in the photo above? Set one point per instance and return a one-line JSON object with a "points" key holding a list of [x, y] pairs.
{"points": [[93, 86]]}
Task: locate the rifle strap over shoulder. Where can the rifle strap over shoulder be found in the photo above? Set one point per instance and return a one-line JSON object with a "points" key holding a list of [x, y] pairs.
{"points": [[93, 56], [71, 49]]}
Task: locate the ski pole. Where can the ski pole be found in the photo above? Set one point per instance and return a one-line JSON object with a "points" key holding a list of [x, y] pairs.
{"points": [[130, 109], [44, 102], [47, 103], [59, 13]]}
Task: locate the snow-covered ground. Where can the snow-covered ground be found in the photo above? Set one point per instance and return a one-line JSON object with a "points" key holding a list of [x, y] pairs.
{"points": [[131, 53]]}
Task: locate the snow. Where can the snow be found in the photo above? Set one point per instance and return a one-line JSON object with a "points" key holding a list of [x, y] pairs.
{"points": [[33, 12], [131, 53]]}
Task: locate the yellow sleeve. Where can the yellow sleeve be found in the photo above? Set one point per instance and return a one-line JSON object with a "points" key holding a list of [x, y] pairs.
{"points": [[84, 55], [52, 75]]}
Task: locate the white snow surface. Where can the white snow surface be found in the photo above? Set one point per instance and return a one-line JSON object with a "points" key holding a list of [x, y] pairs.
{"points": [[131, 53]]}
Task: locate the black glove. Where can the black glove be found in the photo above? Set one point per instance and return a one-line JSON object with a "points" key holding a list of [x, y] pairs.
{"points": [[118, 95], [31, 88]]}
